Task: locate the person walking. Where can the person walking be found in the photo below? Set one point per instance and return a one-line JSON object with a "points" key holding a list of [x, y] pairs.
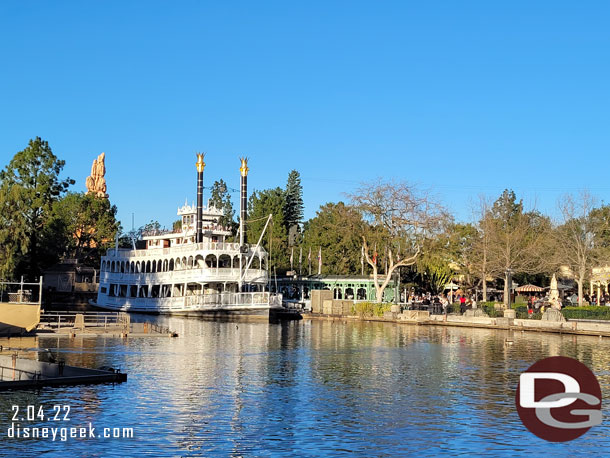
{"points": [[462, 304]]}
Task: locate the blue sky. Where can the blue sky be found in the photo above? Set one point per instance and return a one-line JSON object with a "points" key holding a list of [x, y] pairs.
{"points": [[466, 98]]}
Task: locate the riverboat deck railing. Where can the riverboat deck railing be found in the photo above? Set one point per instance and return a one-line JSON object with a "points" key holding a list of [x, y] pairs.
{"points": [[189, 232], [21, 292], [193, 303], [224, 299]]}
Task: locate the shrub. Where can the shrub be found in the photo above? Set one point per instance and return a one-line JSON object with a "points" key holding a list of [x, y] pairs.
{"points": [[591, 312], [490, 309], [486, 304], [521, 313], [370, 309]]}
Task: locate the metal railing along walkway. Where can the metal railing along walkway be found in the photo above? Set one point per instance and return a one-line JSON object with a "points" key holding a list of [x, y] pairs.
{"points": [[63, 319]]}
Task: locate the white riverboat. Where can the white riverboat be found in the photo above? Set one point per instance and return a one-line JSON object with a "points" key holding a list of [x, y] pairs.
{"points": [[190, 271]]}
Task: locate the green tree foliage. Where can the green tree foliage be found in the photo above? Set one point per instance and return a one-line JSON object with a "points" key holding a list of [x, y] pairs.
{"points": [[85, 224], [600, 220], [129, 239], [154, 226], [260, 205], [221, 199], [461, 239], [506, 209], [29, 186], [436, 276], [445, 255], [338, 230], [293, 205]]}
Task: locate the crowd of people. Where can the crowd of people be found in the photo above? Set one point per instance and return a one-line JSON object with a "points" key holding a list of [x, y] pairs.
{"points": [[604, 299], [441, 301]]}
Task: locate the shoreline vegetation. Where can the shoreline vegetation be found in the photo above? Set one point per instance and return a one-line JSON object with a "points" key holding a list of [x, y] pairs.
{"points": [[387, 229]]}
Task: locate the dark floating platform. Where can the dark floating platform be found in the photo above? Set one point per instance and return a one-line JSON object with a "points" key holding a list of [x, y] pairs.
{"points": [[284, 313], [21, 373]]}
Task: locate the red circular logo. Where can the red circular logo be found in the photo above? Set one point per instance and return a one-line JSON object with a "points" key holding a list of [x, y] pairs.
{"points": [[559, 399]]}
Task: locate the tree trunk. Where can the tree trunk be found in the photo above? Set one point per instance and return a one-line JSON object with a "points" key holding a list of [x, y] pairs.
{"points": [[580, 282], [484, 289], [379, 289], [379, 294], [506, 291]]}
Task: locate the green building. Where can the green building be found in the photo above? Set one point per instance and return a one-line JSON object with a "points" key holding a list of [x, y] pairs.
{"points": [[359, 288]]}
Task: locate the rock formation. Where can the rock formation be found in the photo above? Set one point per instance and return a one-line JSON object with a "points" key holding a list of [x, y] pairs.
{"points": [[96, 183]]}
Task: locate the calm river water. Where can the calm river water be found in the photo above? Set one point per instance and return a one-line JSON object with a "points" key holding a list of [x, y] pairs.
{"points": [[316, 388]]}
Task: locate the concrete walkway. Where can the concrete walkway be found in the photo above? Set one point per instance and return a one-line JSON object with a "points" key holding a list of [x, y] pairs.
{"points": [[578, 327]]}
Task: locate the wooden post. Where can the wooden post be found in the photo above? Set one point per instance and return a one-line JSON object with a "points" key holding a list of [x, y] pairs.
{"points": [[40, 292]]}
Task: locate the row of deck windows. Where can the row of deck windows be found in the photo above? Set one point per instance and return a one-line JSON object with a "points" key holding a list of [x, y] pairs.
{"points": [[167, 290], [151, 291], [167, 265]]}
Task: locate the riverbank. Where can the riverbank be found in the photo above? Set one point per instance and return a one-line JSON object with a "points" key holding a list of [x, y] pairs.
{"points": [[411, 317]]}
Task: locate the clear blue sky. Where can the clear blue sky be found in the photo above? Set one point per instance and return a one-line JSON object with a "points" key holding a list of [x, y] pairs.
{"points": [[463, 97]]}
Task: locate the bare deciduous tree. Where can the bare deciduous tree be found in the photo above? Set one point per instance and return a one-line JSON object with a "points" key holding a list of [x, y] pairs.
{"points": [[404, 216], [518, 249], [480, 254], [575, 237], [518, 240]]}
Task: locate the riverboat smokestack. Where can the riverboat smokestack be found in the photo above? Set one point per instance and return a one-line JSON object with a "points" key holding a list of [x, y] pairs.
{"points": [[243, 202], [199, 223]]}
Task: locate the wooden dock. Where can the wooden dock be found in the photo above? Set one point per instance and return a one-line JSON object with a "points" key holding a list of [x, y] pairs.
{"points": [[23, 373]]}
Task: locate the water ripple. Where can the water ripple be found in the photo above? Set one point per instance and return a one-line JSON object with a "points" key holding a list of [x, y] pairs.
{"points": [[307, 389]]}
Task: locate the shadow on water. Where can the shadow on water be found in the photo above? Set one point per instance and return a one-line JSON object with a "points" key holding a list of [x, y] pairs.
{"points": [[306, 388]]}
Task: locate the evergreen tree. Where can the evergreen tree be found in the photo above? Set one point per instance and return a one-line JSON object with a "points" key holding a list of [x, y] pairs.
{"points": [[84, 227], [154, 226], [293, 205], [127, 239], [260, 205], [221, 199], [29, 186], [337, 229]]}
